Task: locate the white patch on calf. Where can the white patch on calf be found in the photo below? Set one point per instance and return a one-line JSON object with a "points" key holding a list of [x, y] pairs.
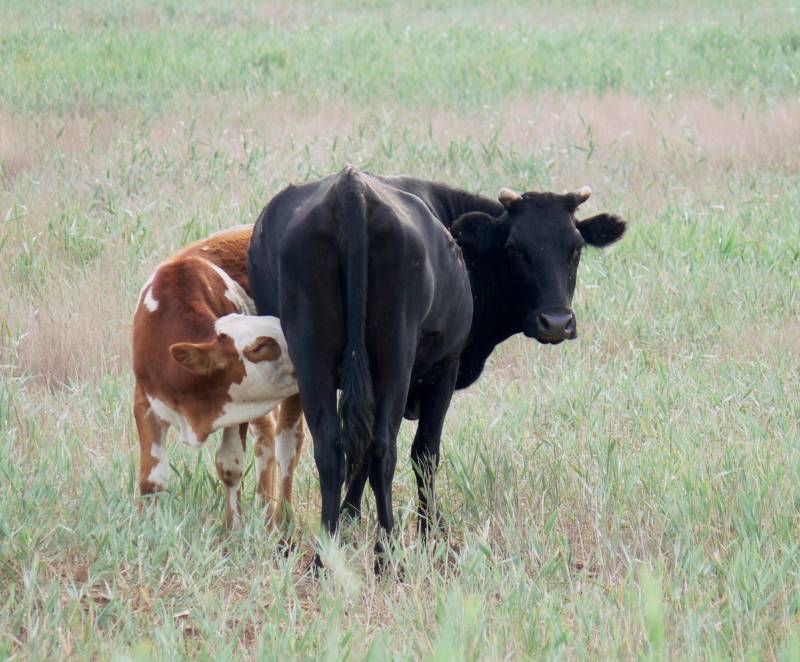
{"points": [[166, 413], [230, 454], [286, 447], [146, 293], [263, 460], [160, 473], [150, 301], [233, 504], [235, 293], [235, 412]]}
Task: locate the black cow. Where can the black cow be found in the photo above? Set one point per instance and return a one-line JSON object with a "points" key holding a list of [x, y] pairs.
{"points": [[395, 291]]}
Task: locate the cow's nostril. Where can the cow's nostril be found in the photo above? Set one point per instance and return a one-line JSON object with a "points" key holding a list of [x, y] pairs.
{"points": [[544, 323]]}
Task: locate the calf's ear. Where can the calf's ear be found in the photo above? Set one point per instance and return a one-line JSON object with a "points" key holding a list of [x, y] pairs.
{"points": [[199, 358], [262, 348], [601, 230]]}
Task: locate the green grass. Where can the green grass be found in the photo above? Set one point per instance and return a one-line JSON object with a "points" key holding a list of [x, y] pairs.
{"points": [[369, 56], [630, 494]]}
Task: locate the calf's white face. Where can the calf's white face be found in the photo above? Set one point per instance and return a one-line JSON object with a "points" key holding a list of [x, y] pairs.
{"points": [[261, 346], [250, 357]]}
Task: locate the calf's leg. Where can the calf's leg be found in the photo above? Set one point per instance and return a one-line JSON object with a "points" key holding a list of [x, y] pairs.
{"points": [[230, 467], [289, 445], [153, 463], [264, 451]]}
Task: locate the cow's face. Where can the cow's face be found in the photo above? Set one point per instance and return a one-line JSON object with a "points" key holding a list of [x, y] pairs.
{"points": [[248, 354], [543, 251]]}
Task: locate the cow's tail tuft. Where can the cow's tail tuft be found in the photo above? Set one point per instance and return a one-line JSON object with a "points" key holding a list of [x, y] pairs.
{"points": [[356, 405]]}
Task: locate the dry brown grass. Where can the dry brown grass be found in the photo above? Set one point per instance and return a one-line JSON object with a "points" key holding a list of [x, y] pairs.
{"points": [[77, 325], [74, 331]]}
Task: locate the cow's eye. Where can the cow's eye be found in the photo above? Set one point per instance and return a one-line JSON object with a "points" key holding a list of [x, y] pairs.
{"points": [[575, 256], [515, 253]]}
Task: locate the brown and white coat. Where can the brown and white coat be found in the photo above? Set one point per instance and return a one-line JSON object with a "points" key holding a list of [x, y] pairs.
{"points": [[203, 361]]}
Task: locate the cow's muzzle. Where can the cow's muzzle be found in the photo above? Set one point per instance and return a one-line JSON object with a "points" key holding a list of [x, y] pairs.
{"points": [[552, 325]]}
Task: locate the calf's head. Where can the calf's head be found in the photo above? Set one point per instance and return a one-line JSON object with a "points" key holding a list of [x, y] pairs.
{"points": [[248, 353], [542, 252]]}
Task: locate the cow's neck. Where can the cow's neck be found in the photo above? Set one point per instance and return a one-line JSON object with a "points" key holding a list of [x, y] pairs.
{"points": [[492, 318], [449, 204], [461, 202]]}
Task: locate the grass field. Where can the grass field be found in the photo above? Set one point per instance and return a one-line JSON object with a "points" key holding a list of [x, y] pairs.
{"points": [[634, 493]]}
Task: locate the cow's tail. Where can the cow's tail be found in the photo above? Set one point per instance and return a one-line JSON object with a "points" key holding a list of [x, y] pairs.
{"points": [[356, 404]]}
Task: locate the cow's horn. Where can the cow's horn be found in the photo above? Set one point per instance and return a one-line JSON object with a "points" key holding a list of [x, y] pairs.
{"points": [[583, 193], [506, 196]]}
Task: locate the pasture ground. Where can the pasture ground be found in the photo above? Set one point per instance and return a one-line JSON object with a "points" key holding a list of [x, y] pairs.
{"points": [[634, 493]]}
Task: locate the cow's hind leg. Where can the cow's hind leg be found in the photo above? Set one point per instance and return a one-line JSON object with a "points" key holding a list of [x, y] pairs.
{"points": [[153, 463], [230, 467], [392, 373], [316, 368], [355, 490], [316, 350]]}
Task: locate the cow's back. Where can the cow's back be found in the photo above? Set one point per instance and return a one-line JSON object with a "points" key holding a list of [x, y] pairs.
{"points": [[294, 211], [299, 249]]}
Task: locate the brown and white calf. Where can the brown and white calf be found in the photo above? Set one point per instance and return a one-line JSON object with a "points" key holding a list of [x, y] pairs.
{"points": [[203, 361]]}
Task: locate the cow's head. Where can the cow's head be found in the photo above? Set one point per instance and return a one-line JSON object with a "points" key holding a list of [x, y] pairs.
{"points": [[248, 350], [542, 252]]}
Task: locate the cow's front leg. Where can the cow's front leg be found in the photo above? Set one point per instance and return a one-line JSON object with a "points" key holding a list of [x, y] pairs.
{"points": [[434, 402], [230, 467]]}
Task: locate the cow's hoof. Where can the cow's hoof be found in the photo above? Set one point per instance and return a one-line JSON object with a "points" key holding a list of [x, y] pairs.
{"points": [[350, 511], [384, 568], [315, 566], [428, 527], [384, 565], [287, 546]]}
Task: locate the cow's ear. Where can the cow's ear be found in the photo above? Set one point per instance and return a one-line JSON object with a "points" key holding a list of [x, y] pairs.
{"points": [[199, 358], [262, 348], [601, 230], [472, 230]]}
